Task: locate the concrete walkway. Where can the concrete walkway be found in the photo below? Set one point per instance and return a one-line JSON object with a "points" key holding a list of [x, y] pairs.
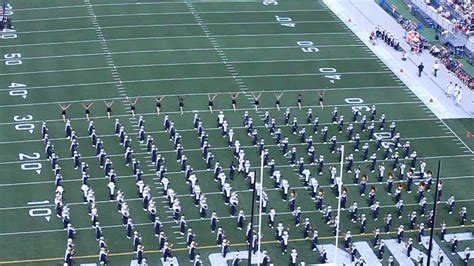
{"points": [[361, 16]]}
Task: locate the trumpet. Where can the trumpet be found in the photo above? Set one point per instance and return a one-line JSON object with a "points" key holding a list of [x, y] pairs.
{"points": [[400, 186], [321, 192]]}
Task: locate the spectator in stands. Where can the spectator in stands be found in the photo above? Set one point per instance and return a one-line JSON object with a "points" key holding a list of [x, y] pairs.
{"points": [[435, 51]]}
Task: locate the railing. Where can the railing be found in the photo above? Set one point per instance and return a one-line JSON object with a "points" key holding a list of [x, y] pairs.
{"points": [[444, 23], [454, 13], [467, 42], [434, 15]]}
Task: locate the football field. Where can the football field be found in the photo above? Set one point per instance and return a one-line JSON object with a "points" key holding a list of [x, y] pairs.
{"points": [[91, 51]]}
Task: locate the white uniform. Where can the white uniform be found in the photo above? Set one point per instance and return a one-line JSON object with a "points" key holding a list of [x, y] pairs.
{"points": [[458, 97], [450, 89]]}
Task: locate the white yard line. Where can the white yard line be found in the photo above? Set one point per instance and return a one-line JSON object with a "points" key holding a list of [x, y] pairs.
{"points": [[172, 25], [47, 43], [176, 37], [127, 52], [281, 166], [121, 15], [48, 8], [193, 220], [218, 24], [82, 6], [257, 76], [130, 176], [215, 129], [143, 3], [113, 70], [56, 71], [315, 90], [180, 64], [212, 193], [106, 51], [219, 193], [204, 78], [175, 64], [55, 31], [172, 64]]}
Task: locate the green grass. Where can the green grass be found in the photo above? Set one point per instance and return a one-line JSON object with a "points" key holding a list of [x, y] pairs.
{"points": [[461, 127], [169, 60]]}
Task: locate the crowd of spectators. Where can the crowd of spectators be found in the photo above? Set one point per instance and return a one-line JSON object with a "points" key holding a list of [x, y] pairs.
{"points": [[459, 12], [407, 24], [464, 22], [452, 65]]}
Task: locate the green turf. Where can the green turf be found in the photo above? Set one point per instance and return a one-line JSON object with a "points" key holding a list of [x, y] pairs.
{"points": [[462, 127], [154, 59]]}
